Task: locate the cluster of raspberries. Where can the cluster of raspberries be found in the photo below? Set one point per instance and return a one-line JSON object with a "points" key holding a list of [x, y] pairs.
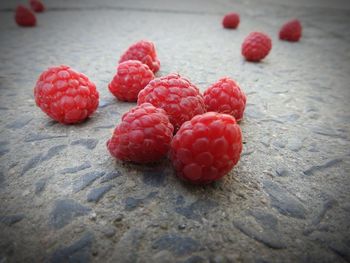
{"points": [[198, 132], [257, 45]]}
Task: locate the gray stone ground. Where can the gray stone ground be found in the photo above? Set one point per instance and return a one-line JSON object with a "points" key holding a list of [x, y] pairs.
{"points": [[64, 199]]}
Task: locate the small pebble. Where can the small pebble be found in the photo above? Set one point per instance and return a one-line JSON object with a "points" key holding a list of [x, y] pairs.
{"points": [[93, 216], [181, 226]]}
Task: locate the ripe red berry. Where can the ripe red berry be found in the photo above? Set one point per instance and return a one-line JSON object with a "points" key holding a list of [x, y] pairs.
{"points": [[176, 95], [65, 95], [132, 76], [225, 96], [231, 20], [143, 51], [291, 31], [37, 6], [24, 17], [206, 147], [256, 46], [143, 136]]}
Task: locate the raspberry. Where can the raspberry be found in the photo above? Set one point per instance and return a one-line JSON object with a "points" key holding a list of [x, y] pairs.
{"points": [[231, 20], [225, 96], [176, 95], [24, 17], [65, 95], [143, 136], [291, 31], [143, 51], [37, 6], [206, 147], [256, 46], [132, 76]]}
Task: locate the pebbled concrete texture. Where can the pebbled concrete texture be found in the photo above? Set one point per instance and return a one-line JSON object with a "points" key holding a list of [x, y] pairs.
{"points": [[63, 198]]}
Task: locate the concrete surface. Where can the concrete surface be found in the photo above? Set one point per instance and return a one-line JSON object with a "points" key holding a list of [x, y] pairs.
{"points": [[64, 199]]}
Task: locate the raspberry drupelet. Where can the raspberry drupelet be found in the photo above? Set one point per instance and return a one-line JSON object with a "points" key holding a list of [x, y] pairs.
{"points": [[143, 136], [206, 148], [66, 95]]}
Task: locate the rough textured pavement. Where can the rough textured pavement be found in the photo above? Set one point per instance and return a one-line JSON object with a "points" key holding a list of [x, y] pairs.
{"points": [[63, 198]]}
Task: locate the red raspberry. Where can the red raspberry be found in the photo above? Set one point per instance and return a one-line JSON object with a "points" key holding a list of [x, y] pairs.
{"points": [[225, 96], [65, 95], [206, 147], [132, 76], [143, 136], [176, 95], [231, 20], [256, 46], [291, 31], [37, 6], [24, 17], [143, 51]]}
